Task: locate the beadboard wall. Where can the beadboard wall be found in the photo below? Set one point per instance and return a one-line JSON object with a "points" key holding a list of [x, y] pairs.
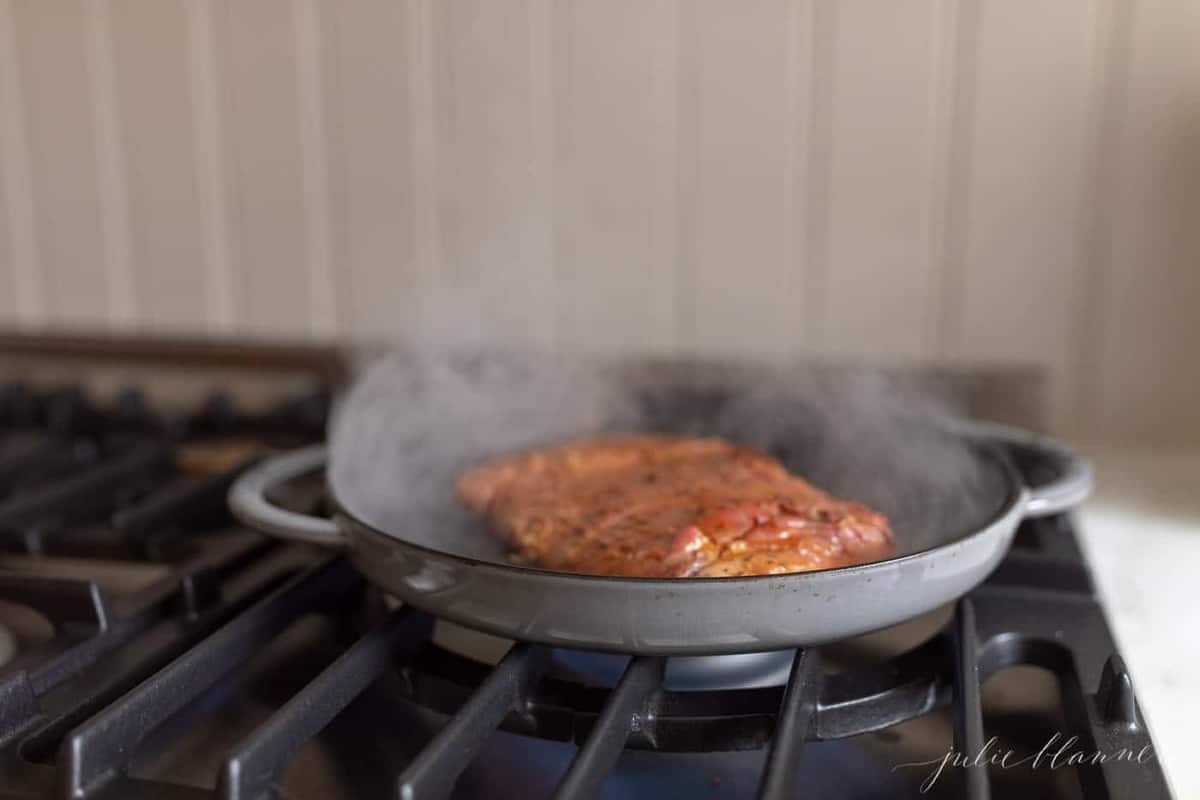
{"points": [[950, 180]]}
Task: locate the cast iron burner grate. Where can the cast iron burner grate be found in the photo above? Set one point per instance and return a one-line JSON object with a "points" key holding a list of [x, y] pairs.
{"points": [[159, 651]]}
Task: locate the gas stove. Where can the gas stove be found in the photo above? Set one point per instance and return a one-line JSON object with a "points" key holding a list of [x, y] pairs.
{"points": [[151, 647]]}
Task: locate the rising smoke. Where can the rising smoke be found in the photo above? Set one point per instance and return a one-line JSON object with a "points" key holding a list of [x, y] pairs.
{"points": [[410, 423]]}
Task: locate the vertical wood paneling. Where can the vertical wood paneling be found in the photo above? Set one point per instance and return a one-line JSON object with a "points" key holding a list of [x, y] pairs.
{"points": [[20, 276], [110, 165], [8, 249], [427, 229], [8, 280], [800, 95], [51, 48], [736, 132], [211, 162], [167, 242], [951, 234], [540, 247], [879, 281], [314, 171], [1029, 159], [615, 173], [663, 141], [818, 148], [372, 203], [952, 110], [1149, 375], [496, 285], [1108, 104], [256, 47]]}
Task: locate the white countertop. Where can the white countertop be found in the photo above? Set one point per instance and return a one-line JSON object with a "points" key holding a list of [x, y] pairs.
{"points": [[1141, 534]]}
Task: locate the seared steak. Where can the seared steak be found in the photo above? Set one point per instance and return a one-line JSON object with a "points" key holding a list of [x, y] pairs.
{"points": [[662, 506]]}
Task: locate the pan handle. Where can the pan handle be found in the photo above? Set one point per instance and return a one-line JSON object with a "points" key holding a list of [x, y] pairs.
{"points": [[248, 499], [1057, 478]]}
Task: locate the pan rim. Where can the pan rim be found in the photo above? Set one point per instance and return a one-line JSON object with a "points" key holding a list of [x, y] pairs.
{"points": [[1017, 497]]}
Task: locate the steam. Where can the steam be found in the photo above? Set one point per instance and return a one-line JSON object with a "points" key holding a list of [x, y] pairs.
{"points": [[410, 423], [875, 437]]}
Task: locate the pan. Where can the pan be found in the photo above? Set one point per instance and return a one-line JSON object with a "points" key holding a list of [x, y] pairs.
{"points": [[951, 531]]}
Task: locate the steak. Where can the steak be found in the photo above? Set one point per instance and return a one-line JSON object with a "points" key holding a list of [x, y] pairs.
{"points": [[664, 506]]}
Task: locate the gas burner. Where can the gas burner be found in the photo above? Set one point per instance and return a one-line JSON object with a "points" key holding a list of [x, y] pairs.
{"points": [[180, 656], [688, 673]]}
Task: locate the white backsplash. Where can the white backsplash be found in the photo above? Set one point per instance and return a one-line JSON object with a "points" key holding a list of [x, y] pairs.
{"points": [[980, 180]]}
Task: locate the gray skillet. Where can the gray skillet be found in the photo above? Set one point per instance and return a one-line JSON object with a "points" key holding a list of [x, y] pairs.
{"points": [[952, 489]]}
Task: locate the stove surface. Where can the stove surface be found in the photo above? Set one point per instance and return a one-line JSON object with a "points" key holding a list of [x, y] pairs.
{"points": [[156, 649]]}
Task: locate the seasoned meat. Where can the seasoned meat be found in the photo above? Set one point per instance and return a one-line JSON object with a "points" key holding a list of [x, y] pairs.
{"points": [[662, 506]]}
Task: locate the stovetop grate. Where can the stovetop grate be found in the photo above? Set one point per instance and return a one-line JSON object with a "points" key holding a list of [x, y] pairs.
{"points": [[76, 710]]}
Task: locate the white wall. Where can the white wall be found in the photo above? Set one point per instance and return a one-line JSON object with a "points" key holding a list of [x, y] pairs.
{"points": [[984, 180]]}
